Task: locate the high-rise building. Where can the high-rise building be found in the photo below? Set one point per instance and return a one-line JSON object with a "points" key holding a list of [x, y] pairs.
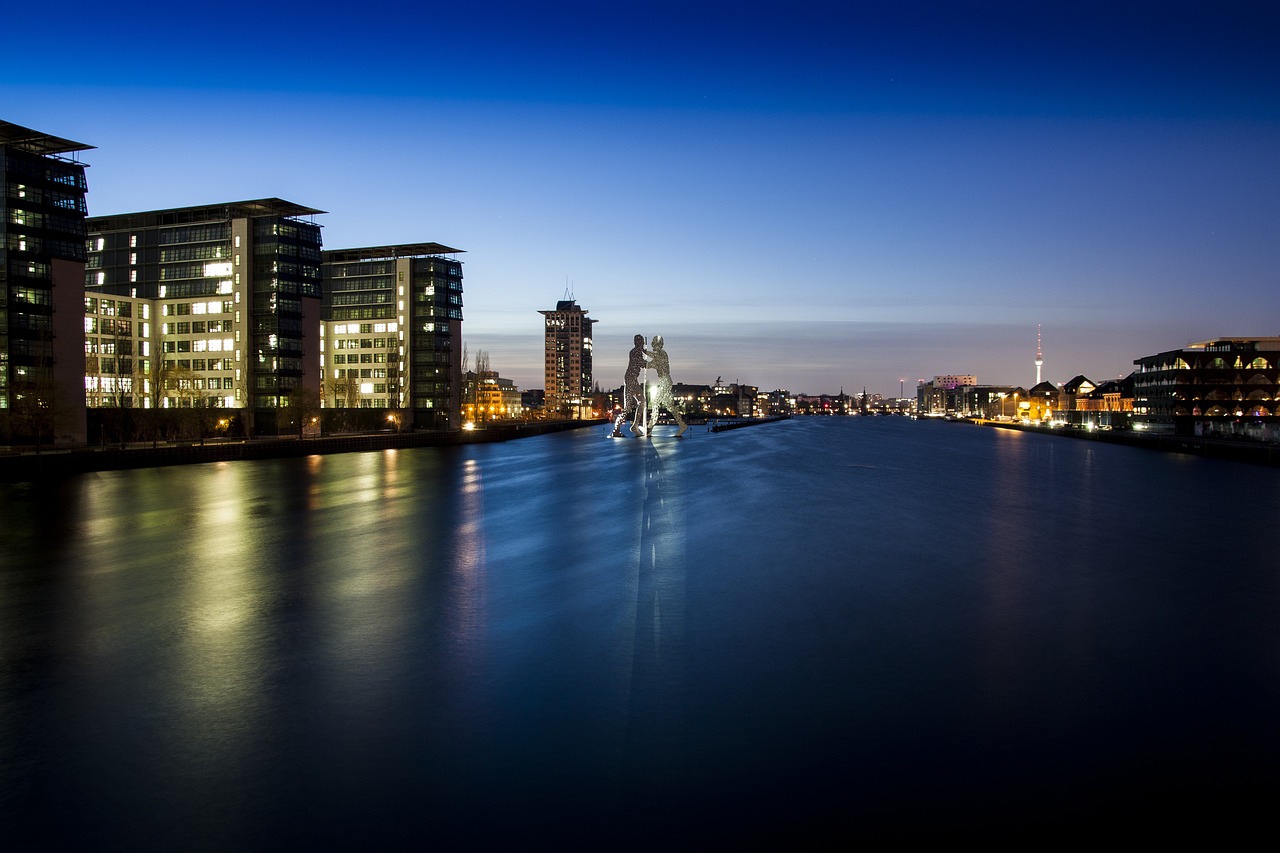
{"points": [[392, 331], [230, 295], [567, 360], [42, 257]]}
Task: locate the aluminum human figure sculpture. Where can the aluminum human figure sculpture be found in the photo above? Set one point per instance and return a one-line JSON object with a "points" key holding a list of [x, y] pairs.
{"points": [[633, 390], [660, 395]]}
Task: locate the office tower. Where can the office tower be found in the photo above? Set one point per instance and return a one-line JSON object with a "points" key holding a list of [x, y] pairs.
{"points": [[233, 291], [392, 331], [567, 360], [42, 257]]}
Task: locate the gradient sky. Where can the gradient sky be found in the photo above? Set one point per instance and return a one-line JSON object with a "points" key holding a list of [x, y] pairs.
{"points": [[796, 195]]}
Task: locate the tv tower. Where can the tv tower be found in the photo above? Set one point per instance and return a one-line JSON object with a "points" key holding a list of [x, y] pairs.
{"points": [[1039, 354]]}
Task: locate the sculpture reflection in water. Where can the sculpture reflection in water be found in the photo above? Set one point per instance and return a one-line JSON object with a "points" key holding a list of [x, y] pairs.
{"points": [[643, 400]]}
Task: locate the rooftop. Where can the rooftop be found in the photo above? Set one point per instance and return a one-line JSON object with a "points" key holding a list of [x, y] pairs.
{"points": [[380, 253], [201, 213], [35, 142], [1261, 343]]}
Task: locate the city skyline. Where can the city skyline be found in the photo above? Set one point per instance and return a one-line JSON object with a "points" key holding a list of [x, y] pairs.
{"points": [[811, 200]]}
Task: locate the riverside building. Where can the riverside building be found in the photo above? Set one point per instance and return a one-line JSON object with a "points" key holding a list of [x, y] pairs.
{"points": [[42, 228], [392, 331], [1224, 386], [567, 360], [224, 301]]}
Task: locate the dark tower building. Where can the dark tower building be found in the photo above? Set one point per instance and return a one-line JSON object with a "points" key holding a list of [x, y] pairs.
{"points": [[392, 330], [42, 257]]}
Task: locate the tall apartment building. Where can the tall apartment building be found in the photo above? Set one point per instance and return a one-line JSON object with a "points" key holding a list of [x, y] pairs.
{"points": [[230, 295], [42, 228], [567, 359], [392, 331]]}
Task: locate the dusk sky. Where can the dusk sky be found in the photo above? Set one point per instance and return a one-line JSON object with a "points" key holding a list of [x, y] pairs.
{"points": [[795, 195]]}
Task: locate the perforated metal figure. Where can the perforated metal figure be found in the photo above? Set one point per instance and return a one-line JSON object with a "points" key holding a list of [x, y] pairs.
{"points": [[633, 389], [660, 394]]}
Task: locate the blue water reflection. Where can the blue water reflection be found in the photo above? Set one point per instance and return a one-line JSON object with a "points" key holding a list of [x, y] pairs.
{"points": [[866, 627]]}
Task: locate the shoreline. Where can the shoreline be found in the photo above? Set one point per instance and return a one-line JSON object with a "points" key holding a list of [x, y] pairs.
{"points": [[28, 467], [1190, 445]]}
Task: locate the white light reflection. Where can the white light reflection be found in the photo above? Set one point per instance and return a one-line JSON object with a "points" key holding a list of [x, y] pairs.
{"points": [[654, 621], [468, 608]]}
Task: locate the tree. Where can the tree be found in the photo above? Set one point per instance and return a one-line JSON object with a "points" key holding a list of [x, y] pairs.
{"points": [[302, 407], [35, 407]]}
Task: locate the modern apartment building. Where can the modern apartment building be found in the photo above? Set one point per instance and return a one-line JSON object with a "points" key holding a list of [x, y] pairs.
{"points": [[567, 360], [1220, 386], [42, 228], [224, 300], [392, 331]]}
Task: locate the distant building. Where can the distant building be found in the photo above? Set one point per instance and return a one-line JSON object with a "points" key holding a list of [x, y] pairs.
{"points": [[567, 360], [989, 401], [931, 399], [232, 291], [1110, 406], [392, 331], [1224, 386], [533, 398], [951, 382], [489, 397], [42, 258], [1042, 401]]}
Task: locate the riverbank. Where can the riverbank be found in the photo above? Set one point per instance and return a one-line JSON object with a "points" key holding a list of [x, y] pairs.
{"points": [[739, 423], [1236, 451], [33, 466]]}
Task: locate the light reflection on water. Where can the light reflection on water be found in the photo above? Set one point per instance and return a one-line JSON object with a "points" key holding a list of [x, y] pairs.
{"points": [[863, 624]]}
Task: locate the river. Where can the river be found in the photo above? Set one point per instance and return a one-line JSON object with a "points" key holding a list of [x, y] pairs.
{"points": [[867, 628]]}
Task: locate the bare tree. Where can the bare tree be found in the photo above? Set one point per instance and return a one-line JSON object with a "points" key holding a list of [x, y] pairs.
{"points": [[302, 407], [35, 408]]}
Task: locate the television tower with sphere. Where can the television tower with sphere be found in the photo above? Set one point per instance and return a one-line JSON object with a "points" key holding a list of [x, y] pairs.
{"points": [[1039, 354]]}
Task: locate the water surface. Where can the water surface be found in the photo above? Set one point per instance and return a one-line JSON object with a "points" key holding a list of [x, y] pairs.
{"points": [[863, 627]]}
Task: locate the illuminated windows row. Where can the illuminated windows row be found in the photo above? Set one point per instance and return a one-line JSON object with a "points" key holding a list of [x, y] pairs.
{"points": [[363, 328]]}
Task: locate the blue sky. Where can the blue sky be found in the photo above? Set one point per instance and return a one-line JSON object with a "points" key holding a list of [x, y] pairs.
{"points": [[801, 195]]}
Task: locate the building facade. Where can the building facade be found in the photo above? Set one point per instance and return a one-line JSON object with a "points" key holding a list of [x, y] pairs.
{"points": [[228, 299], [42, 257], [1228, 386], [567, 360], [392, 331]]}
